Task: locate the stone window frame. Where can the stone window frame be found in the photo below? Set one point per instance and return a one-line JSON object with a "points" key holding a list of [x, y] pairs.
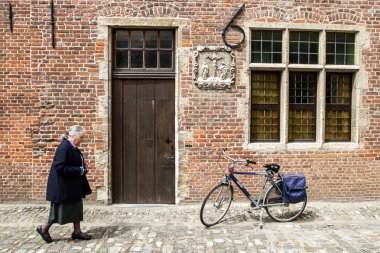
{"points": [[359, 83]]}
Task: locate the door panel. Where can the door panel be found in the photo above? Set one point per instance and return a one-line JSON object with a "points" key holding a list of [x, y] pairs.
{"points": [[143, 141]]}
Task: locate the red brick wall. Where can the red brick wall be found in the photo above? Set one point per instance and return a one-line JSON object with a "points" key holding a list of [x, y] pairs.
{"points": [[45, 90]]}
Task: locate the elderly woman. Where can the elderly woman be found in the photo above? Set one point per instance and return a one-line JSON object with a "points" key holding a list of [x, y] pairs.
{"points": [[67, 185]]}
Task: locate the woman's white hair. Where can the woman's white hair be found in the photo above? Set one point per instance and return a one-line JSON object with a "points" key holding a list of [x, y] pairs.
{"points": [[73, 131]]}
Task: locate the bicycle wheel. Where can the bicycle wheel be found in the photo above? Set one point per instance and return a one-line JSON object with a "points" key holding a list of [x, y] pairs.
{"points": [[277, 209], [216, 204]]}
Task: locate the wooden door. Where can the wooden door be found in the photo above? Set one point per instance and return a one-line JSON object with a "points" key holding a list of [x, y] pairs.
{"points": [[143, 169]]}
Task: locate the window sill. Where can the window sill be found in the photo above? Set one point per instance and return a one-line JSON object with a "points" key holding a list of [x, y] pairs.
{"points": [[342, 68], [267, 66], [305, 67], [277, 146]]}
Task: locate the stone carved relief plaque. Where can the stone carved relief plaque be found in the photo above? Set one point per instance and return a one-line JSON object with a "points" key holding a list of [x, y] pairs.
{"points": [[214, 68]]}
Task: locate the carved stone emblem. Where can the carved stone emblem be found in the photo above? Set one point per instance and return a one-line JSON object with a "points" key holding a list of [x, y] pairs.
{"points": [[214, 68]]}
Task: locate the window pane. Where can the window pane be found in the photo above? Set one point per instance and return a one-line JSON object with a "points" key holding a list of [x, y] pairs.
{"points": [[144, 53], [350, 59], [338, 106], [277, 47], [137, 39], [151, 39], [256, 57], [340, 59], [350, 48], [304, 47], [277, 58], [256, 46], [302, 92], [314, 48], [166, 39], [121, 59], [338, 126], [122, 39], [267, 46], [330, 59], [151, 59], [313, 59], [265, 102], [165, 59], [314, 36], [266, 58], [340, 37], [277, 35], [256, 35], [301, 125], [304, 58], [267, 35], [340, 48], [136, 59], [340, 45], [293, 47], [266, 43], [330, 48], [303, 44], [293, 58]]}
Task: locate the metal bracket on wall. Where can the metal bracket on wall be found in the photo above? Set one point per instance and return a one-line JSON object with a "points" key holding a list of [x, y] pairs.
{"points": [[52, 23], [10, 14], [241, 8]]}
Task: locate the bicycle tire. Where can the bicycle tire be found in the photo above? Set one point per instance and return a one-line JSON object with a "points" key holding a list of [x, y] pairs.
{"points": [[280, 211], [217, 202]]}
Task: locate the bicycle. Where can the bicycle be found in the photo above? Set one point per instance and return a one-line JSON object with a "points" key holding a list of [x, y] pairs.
{"points": [[218, 201]]}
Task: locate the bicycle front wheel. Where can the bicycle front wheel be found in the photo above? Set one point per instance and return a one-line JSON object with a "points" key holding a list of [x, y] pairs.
{"points": [[277, 209], [216, 204]]}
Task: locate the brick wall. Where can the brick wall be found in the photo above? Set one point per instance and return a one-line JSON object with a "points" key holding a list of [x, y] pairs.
{"points": [[46, 90]]}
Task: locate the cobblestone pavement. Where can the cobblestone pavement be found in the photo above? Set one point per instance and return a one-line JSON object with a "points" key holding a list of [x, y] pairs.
{"points": [[324, 227]]}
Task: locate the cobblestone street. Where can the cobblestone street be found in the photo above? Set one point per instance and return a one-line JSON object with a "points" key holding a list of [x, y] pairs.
{"points": [[324, 227]]}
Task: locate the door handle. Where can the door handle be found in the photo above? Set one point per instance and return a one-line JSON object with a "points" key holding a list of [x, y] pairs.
{"points": [[168, 140]]}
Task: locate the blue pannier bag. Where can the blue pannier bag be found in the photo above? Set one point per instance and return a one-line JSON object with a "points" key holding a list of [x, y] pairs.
{"points": [[294, 188]]}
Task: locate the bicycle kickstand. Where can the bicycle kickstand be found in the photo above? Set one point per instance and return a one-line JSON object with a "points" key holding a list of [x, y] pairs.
{"points": [[261, 218]]}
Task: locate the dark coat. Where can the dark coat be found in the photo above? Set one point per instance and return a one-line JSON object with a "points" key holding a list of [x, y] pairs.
{"points": [[65, 184]]}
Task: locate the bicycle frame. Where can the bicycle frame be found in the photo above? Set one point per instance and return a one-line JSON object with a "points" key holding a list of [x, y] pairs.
{"points": [[260, 201], [230, 176]]}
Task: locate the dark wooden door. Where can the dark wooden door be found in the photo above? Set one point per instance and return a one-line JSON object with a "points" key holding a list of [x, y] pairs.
{"points": [[143, 142]]}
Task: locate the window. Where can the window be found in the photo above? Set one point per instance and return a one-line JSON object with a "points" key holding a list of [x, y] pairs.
{"points": [[266, 46], [318, 91], [338, 107], [340, 48], [265, 118], [303, 47], [144, 50], [302, 89]]}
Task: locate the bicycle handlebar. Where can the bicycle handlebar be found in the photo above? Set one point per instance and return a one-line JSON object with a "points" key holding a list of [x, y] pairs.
{"points": [[237, 160]]}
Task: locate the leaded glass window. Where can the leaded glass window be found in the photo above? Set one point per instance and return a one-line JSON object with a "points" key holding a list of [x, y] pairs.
{"points": [[338, 107], [265, 104], [266, 46], [144, 49], [302, 106], [340, 48], [303, 47]]}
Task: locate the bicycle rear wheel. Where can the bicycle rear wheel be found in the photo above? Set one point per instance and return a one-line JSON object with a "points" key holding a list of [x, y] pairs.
{"points": [[216, 204], [277, 209]]}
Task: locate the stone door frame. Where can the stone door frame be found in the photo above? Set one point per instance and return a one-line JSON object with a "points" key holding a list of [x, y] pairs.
{"points": [[105, 26]]}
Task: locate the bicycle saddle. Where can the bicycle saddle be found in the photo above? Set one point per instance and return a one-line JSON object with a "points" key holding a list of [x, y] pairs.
{"points": [[272, 166]]}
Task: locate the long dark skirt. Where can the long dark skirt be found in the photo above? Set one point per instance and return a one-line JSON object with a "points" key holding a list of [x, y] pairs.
{"points": [[66, 213]]}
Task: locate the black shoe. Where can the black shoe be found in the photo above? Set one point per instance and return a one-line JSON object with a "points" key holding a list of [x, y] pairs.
{"points": [[44, 235], [81, 236]]}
